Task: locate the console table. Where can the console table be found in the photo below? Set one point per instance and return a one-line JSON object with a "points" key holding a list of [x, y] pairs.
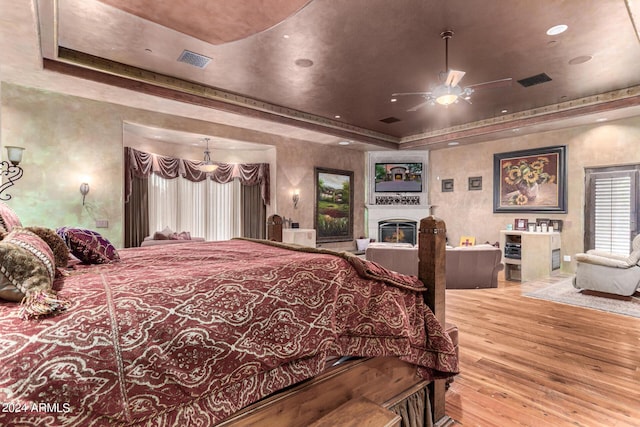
{"points": [[539, 255]]}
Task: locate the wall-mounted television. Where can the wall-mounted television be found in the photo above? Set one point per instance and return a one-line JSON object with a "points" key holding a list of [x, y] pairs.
{"points": [[398, 178]]}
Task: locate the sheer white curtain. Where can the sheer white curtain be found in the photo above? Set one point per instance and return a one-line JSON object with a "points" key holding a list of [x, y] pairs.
{"points": [[205, 209]]}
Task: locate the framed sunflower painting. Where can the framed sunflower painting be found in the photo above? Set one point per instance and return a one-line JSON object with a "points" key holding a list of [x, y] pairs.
{"points": [[530, 180]]}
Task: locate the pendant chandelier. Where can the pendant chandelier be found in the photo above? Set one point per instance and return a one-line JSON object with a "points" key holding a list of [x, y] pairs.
{"points": [[207, 165]]}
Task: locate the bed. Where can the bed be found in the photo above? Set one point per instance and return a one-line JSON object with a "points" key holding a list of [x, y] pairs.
{"points": [[227, 333]]}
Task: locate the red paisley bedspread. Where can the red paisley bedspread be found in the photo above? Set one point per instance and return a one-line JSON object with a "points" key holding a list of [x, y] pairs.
{"points": [[189, 334]]}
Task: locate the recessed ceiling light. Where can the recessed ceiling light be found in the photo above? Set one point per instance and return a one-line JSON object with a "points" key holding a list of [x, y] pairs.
{"points": [[344, 142], [337, 116], [557, 29], [304, 62], [286, 36], [504, 111], [580, 59], [452, 143], [394, 99]]}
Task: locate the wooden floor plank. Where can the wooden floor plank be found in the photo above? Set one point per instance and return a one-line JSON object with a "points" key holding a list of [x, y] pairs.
{"points": [[530, 362]]}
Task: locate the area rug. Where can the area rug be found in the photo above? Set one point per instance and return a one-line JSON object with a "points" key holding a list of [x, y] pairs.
{"points": [[564, 292]]}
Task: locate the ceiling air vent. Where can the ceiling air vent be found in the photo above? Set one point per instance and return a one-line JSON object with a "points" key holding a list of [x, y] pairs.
{"points": [[194, 59], [390, 120], [535, 80]]}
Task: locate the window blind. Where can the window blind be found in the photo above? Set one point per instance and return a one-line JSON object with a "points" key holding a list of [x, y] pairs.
{"points": [[612, 212]]}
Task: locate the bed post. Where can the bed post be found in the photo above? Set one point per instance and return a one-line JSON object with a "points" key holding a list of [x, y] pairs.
{"points": [[431, 270]]}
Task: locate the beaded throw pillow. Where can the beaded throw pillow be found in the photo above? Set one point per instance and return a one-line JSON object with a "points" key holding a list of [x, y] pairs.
{"points": [[8, 218], [89, 246], [57, 245], [27, 271]]}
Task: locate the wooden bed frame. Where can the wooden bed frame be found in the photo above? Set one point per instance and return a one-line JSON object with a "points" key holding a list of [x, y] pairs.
{"points": [[364, 387]]}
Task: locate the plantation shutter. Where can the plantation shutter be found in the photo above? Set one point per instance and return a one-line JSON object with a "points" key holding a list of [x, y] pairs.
{"points": [[612, 213], [612, 210]]}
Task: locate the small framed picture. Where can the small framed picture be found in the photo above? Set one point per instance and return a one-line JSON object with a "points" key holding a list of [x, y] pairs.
{"points": [[556, 224], [541, 221], [467, 241], [475, 183], [447, 185], [521, 224]]}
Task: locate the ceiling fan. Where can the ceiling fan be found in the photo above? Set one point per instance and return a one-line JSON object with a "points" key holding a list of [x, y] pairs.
{"points": [[450, 92]]}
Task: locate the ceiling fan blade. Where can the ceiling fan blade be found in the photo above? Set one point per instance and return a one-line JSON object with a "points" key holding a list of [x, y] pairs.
{"points": [[492, 84], [454, 77], [419, 106], [411, 93]]}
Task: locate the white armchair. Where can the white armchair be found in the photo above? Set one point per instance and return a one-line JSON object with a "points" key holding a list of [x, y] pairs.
{"points": [[604, 272]]}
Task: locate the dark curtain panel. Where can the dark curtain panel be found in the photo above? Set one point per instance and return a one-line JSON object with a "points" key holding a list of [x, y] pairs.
{"points": [[136, 206], [254, 213], [136, 213]]}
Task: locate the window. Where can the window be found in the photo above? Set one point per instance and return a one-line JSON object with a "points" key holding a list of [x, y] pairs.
{"points": [[205, 209], [611, 211]]}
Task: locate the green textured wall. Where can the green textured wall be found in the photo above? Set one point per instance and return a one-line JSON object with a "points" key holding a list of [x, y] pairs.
{"points": [[67, 140]]}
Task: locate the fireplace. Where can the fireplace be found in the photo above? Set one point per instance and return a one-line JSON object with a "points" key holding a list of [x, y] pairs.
{"points": [[378, 214], [397, 231]]}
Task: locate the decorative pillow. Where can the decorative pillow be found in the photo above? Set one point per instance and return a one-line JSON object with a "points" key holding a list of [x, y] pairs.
{"points": [[27, 270], [88, 245], [164, 234], [184, 235], [8, 218], [57, 245]]}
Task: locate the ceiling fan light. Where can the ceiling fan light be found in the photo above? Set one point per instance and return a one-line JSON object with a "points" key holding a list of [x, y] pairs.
{"points": [[446, 95], [447, 99]]}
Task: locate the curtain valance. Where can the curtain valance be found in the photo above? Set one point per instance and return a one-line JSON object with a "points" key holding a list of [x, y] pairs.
{"points": [[141, 164]]}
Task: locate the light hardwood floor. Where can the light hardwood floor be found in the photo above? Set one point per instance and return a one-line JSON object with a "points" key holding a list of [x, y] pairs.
{"points": [[529, 362]]}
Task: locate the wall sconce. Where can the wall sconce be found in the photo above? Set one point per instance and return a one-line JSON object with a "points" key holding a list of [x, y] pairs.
{"points": [[10, 169], [84, 190], [296, 198]]}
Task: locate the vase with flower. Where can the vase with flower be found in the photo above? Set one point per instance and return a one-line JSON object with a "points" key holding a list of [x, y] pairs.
{"points": [[526, 176]]}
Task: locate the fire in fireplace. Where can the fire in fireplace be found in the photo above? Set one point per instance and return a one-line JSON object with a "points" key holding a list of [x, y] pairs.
{"points": [[397, 231]]}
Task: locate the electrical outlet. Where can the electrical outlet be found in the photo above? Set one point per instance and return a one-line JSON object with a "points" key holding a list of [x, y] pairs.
{"points": [[102, 223], [567, 258]]}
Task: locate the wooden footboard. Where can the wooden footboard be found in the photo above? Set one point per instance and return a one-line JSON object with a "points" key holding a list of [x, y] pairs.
{"points": [[364, 386], [381, 382]]}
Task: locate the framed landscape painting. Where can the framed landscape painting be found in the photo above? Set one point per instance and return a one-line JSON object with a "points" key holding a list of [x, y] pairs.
{"points": [[334, 205], [530, 180]]}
